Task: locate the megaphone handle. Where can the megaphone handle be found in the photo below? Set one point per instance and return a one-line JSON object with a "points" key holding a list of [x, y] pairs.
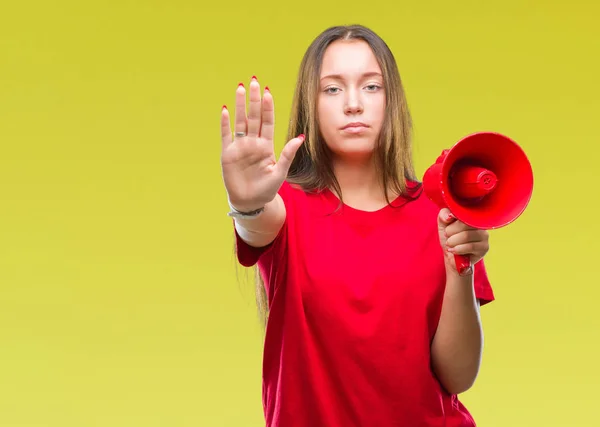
{"points": [[463, 264]]}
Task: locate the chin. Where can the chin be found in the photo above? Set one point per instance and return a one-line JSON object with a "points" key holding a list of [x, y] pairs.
{"points": [[357, 153], [351, 146]]}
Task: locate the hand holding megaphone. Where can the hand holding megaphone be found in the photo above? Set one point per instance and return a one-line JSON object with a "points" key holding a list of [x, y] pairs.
{"points": [[485, 180]]}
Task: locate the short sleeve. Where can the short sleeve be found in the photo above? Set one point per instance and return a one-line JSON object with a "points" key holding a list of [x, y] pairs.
{"points": [[483, 287], [248, 255]]}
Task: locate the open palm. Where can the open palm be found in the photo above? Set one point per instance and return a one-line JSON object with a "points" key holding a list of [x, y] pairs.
{"points": [[251, 173]]}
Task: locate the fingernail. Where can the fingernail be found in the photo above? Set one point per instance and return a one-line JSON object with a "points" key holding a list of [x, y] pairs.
{"points": [[450, 216], [267, 89], [450, 249], [301, 136], [254, 78], [224, 107], [241, 84]]}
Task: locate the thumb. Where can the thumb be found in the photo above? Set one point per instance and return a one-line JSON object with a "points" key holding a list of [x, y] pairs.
{"points": [[288, 153], [445, 218]]}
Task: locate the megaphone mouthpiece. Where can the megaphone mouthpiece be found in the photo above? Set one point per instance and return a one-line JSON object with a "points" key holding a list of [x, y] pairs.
{"points": [[472, 182]]}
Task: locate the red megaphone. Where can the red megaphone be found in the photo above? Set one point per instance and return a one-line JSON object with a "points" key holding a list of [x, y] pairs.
{"points": [[485, 180]]}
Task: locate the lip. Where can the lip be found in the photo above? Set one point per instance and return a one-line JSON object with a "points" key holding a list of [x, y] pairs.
{"points": [[355, 128], [355, 125]]}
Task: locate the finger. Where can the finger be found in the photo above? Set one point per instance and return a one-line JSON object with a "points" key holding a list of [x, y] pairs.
{"points": [[457, 227], [267, 130], [226, 138], [287, 155], [469, 236], [445, 217], [254, 110], [240, 109], [469, 248]]}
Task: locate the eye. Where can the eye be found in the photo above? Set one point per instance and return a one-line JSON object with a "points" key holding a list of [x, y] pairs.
{"points": [[373, 87], [331, 90]]}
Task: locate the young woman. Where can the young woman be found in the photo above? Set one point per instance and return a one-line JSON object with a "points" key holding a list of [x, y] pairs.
{"points": [[369, 322]]}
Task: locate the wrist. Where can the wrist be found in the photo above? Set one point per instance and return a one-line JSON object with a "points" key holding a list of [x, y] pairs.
{"points": [[460, 288], [458, 266], [453, 274], [245, 213], [243, 207]]}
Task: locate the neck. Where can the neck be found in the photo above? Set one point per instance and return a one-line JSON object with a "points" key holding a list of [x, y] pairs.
{"points": [[356, 176], [360, 183]]}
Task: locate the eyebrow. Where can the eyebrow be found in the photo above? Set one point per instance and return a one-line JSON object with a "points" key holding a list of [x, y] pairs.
{"points": [[340, 77]]}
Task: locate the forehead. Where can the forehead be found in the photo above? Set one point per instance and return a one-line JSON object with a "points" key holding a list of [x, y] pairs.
{"points": [[348, 58]]}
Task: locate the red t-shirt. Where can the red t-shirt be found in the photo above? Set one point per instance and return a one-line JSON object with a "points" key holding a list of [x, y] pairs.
{"points": [[355, 298]]}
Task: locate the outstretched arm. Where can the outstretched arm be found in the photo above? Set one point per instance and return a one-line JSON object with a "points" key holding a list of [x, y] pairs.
{"points": [[251, 173]]}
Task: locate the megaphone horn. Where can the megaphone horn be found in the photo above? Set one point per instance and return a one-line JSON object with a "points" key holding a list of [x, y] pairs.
{"points": [[485, 180]]}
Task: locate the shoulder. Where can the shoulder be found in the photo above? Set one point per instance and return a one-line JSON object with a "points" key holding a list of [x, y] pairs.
{"points": [[426, 206], [294, 194], [418, 218], [290, 190], [295, 199], [419, 204]]}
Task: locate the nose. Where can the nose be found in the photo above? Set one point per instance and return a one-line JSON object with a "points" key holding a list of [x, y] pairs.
{"points": [[353, 104]]}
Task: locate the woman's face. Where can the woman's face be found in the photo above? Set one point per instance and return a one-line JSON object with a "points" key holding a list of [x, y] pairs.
{"points": [[351, 101]]}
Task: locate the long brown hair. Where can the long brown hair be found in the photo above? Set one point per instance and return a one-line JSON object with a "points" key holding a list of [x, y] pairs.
{"points": [[311, 168]]}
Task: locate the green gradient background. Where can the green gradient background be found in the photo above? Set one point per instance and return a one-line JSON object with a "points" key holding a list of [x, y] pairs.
{"points": [[119, 302]]}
